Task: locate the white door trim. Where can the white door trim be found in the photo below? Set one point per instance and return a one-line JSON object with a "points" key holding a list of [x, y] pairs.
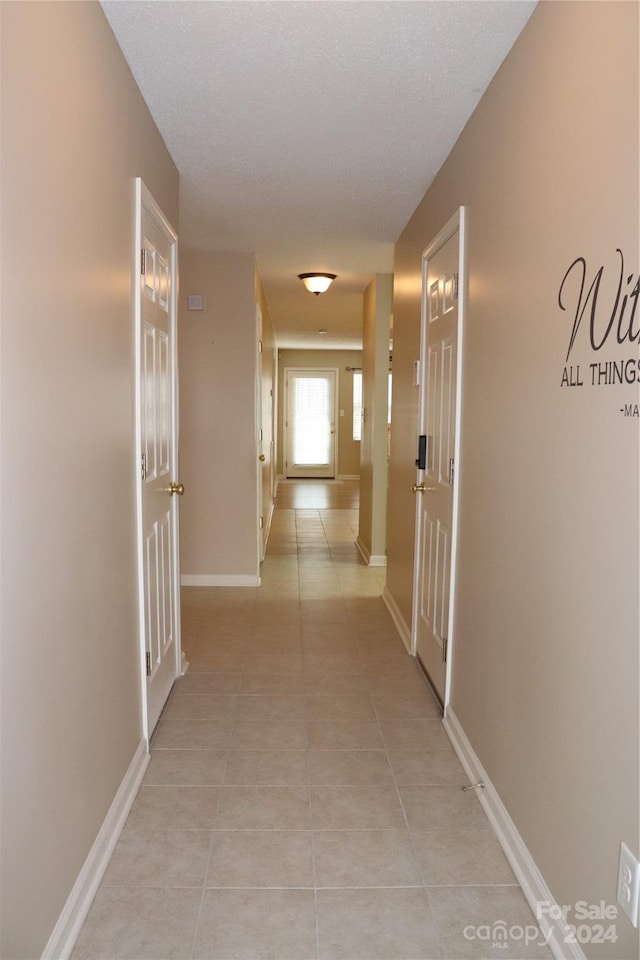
{"points": [[143, 198], [275, 419], [261, 530], [456, 223]]}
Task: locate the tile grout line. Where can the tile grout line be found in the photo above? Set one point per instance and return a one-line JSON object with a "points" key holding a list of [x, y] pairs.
{"points": [[410, 837], [217, 811], [211, 843], [311, 843]]}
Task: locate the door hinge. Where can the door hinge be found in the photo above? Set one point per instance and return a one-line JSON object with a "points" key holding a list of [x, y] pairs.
{"points": [[148, 664], [261, 522], [259, 346], [452, 470], [455, 286], [144, 466], [445, 649], [143, 261]]}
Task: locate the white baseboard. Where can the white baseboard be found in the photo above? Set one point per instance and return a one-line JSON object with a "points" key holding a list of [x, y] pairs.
{"points": [[398, 619], [66, 930], [377, 560], [219, 580], [536, 891], [371, 559], [340, 476]]}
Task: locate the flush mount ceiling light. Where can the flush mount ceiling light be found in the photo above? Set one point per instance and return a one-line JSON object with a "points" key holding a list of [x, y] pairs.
{"points": [[317, 282]]}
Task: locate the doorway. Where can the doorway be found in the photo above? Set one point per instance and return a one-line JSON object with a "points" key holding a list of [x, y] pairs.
{"points": [[310, 423], [156, 455], [438, 464]]}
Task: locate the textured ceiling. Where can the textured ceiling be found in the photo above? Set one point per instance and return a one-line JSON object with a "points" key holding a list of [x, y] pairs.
{"points": [[307, 131]]}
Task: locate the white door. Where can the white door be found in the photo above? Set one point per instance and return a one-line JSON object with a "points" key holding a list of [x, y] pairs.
{"points": [[310, 423], [435, 488], [156, 420], [260, 444]]}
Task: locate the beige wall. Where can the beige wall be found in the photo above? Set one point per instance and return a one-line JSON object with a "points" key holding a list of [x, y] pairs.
{"points": [[218, 457], [75, 133], [373, 454], [545, 657], [348, 448]]}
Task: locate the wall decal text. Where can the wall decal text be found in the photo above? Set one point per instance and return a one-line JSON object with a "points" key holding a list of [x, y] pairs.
{"points": [[604, 307]]}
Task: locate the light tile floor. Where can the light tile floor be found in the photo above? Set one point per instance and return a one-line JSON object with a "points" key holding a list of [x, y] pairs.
{"points": [[302, 800]]}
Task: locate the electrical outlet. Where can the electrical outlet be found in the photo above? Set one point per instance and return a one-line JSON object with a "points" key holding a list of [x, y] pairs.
{"points": [[629, 883]]}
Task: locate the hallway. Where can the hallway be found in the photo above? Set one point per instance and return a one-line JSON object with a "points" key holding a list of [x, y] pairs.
{"points": [[302, 799]]}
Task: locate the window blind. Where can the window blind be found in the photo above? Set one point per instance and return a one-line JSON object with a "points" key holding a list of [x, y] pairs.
{"points": [[310, 421]]}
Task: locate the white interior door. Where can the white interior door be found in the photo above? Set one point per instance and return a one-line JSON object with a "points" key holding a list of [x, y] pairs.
{"points": [[436, 508], [157, 461], [310, 423], [260, 444]]}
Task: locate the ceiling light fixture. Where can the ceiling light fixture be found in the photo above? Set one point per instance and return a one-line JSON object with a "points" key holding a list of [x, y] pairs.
{"points": [[317, 282]]}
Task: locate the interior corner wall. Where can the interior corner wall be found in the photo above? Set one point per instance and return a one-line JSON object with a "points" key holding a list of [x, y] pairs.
{"points": [[218, 458], [348, 449], [75, 134], [377, 306], [545, 635]]}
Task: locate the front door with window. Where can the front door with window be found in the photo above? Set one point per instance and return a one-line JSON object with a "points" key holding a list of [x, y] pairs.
{"points": [[310, 423]]}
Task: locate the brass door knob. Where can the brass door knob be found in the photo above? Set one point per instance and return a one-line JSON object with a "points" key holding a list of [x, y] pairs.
{"points": [[421, 488], [262, 458], [176, 488]]}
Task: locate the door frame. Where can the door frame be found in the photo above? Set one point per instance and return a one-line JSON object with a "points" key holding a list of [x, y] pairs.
{"points": [[336, 418], [456, 223], [261, 542], [143, 198]]}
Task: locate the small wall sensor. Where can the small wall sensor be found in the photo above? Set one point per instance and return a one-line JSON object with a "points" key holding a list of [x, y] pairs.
{"points": [[195, 302]]}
